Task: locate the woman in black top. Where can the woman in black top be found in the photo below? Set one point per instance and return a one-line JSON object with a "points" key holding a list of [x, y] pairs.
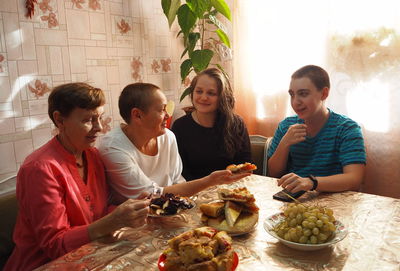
{"points": [[212, 136]]}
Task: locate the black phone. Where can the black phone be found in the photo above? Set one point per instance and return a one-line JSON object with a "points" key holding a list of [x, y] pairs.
{"points": [[283, 195]]}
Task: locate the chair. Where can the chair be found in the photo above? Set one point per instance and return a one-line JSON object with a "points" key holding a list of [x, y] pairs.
{"points": [[259, 149], [8, 216]]}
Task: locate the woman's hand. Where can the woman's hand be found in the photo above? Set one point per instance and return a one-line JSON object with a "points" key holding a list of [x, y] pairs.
{"points": [[295, 134], [294, 183], [132, 213], [225, 177]]}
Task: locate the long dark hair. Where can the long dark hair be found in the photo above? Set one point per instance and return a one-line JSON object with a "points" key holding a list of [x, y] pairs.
{"points": [[226, 119]]}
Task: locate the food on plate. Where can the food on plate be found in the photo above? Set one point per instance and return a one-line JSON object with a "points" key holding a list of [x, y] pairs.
{"points": [[306, 224], [242, 168], [235, 213], [200, 249], [214, 209], [239, 195], [169, 204]]}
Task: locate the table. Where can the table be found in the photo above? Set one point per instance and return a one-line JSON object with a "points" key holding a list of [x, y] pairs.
{"points": [[373, 242]]}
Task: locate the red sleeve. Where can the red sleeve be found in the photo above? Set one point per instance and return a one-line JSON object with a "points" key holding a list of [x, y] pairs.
{"points": [[42, 190]]}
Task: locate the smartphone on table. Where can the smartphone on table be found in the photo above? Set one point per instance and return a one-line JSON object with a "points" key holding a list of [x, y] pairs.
{"points": [[283, 195]]}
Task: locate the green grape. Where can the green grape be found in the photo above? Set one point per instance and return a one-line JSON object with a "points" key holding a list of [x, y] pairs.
{"points": [[293, 222], [322, 237], [306, 214], [315, 231], [287, 237], [311, 225], [303, 239], [319, 223], [312, 218], [313, 239], [305, 223], [331, 226], [302, 208], [286, 212], [307, 232], [325, 219], [325, 227], [299, 230]]}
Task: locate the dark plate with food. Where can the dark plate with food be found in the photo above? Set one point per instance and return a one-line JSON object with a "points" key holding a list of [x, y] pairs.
{"points": [[170, 205]]}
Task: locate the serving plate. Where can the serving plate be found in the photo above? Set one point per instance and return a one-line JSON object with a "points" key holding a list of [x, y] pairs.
{"points": [[275, 219], [163, 257]]}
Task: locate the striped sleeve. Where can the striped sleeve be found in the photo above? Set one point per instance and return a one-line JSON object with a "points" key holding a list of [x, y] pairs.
{"points": [[352, 149]]}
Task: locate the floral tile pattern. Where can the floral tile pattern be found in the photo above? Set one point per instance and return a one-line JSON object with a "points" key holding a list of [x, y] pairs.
{"points": [[39, 88], [123, 26], [107, 43], [3, 65], [136, 65]]}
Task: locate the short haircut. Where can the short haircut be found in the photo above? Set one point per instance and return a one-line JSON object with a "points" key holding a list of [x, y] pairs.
{"points": [[65, 98], [318, 76], [137, 95]]}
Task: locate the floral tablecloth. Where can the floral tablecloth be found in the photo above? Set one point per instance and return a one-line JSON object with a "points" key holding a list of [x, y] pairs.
{"points": [[373, 241]]}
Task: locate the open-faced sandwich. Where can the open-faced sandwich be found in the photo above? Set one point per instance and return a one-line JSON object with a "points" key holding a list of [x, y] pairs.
{"points": [[241, 168], [200, 249], [235, 213]]}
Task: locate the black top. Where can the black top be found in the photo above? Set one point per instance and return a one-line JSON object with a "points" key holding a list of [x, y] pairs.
{"points": [[202, 150]]}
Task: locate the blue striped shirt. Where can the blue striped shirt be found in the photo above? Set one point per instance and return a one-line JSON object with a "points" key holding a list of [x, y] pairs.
{"points": [[337, 144]]}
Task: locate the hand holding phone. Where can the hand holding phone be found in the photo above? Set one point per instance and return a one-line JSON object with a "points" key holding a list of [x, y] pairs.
{"points": [[283, 195]]}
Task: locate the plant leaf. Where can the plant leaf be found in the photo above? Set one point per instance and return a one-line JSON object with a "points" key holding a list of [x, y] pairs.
{"points": [[201, 59], [186, 19], [193, 38], [180, 32], [170, 7], [184, 52], [185, 93], [222, 7], [217, 23], [185, 68], [223, 37], [198, 6]]}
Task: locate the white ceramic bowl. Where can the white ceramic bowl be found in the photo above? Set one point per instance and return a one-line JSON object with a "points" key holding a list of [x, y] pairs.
{"points": [[273, 220]]}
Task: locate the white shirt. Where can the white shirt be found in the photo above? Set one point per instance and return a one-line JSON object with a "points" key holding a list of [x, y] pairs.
{"points": [[130, 172]]}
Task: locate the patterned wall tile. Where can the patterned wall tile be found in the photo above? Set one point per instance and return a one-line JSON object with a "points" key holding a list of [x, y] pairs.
{"points": [[7, 158], [22, 149], [78, 26], [97, 23], [8, 6], [109, 43], [13, 37]]}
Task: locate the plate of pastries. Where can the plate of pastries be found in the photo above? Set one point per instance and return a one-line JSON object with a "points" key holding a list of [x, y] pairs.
{"points": [[203, 248], [235, 212]]}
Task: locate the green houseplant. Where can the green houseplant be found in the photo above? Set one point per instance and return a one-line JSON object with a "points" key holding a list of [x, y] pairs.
{"points": [[198, 21]]}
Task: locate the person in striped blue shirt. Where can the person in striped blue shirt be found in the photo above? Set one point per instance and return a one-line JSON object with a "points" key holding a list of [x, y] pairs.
{"points": [[317, 149]]}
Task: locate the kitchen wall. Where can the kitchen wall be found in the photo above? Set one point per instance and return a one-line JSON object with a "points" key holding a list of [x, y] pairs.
{"points": [[106, 43]]}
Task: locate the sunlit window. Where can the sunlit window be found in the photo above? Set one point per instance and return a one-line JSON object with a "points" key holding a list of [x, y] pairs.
{"points": [[360, 39]]}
